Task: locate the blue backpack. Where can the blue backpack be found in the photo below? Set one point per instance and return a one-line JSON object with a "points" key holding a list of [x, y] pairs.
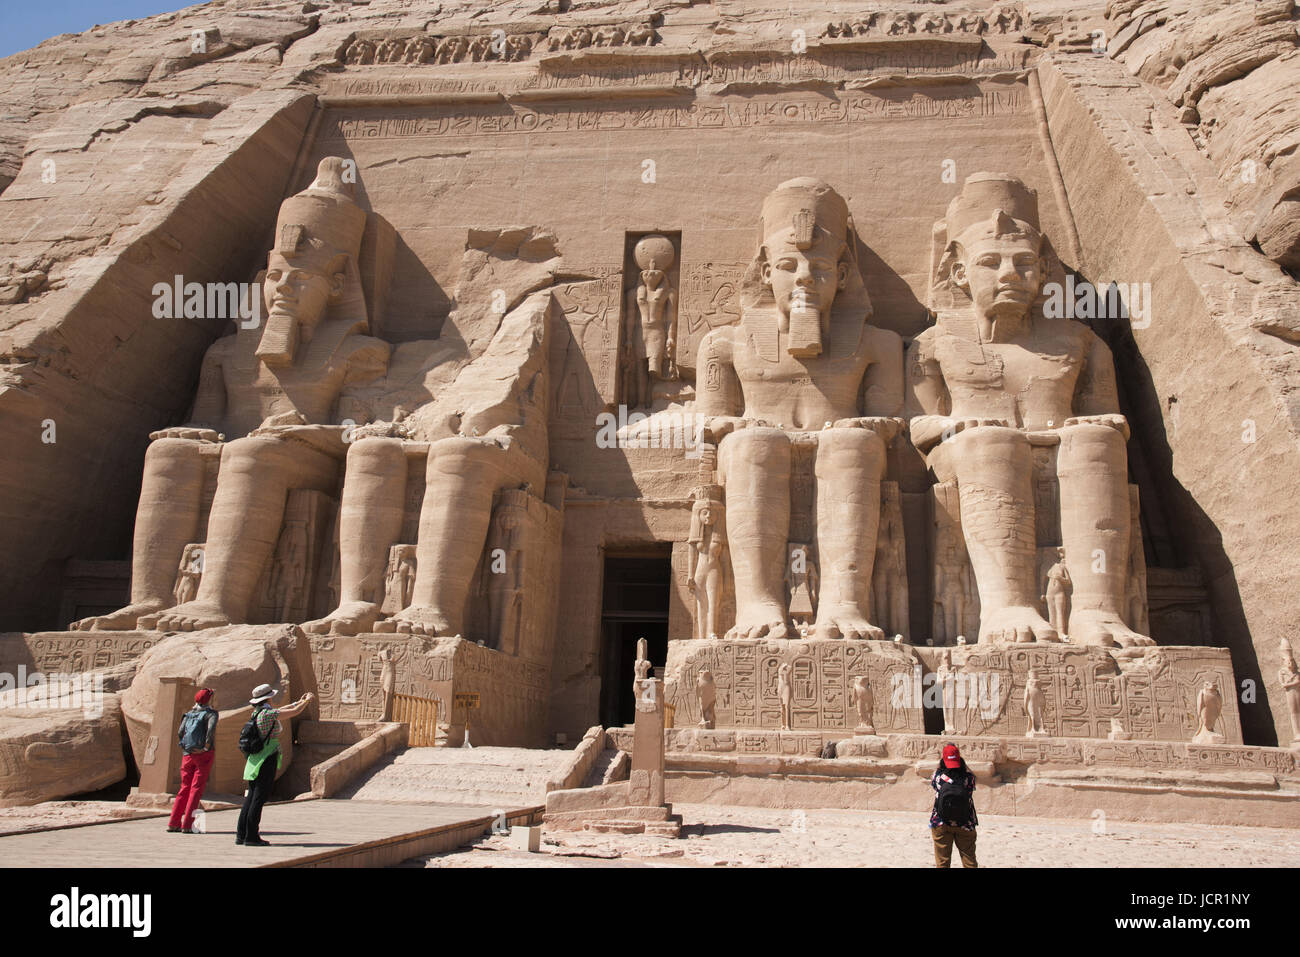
{"points": [[193, 734]]}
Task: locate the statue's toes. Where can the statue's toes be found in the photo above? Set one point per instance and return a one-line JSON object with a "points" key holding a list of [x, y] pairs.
{"points": [[1045, 632], [405, 628], [873, 633], [1024, 635], [778, 629], [386, 627], [319, 627]]}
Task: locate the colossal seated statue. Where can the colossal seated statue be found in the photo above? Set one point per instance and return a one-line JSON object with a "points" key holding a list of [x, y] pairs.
{"points": [[276, 387], [485, 443], [993, 379], [802, 365]]}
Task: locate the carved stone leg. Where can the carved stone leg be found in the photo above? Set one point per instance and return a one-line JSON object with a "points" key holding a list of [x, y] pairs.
{"points": [[850, 465], [247, 512], [370, 522], [754, 466], [1095, 529], [461, 477], [166, 520], [994, 470]]}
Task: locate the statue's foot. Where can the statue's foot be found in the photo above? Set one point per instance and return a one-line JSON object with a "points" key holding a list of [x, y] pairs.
{"points": [[1016, 623], [416, 620], [761, 629], [845, 621], [350, 618], [1104, 628], [124, 619], [191, 616]]}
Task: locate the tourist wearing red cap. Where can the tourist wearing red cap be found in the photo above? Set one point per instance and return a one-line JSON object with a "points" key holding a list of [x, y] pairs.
{"points": [[953, 817], [198, 735]]}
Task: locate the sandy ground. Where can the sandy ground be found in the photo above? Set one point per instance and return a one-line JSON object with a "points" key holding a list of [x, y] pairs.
{"points": [[757, 837], [58, 813]]}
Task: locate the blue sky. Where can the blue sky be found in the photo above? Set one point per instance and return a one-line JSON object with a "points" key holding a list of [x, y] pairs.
{"points": [[25, 23]]}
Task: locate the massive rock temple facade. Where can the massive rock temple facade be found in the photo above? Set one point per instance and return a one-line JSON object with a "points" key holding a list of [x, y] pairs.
{"points": [[896, 373]]}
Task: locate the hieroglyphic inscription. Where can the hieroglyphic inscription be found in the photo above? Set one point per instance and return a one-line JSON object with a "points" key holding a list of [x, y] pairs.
{"points": [[514, 119], [710, 299], [821, 672], [1152, 696], [584, 352], [73, 652]]}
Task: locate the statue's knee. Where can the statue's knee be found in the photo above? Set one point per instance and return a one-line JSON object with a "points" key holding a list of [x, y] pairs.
{"points": [[462, 456], [376, 454], [168, 454], [851, 448], [755, 443]]}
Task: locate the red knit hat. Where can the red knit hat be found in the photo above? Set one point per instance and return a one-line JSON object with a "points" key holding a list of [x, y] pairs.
{"points": [[203, 695], [951, 756]]}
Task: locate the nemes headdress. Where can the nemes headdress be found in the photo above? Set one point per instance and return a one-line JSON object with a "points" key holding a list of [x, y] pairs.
{"points": [[804, 209], [318, 229], [324, 220]]}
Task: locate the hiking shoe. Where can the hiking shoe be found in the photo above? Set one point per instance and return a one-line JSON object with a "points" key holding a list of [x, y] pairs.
{"points": [[257, 842], [172, 830], [239, 840]]}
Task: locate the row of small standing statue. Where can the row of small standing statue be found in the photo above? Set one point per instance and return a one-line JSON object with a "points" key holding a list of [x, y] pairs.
{"points": [[1209, 702]]}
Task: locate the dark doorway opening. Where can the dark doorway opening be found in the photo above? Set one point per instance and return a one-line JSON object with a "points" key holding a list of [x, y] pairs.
{"points": [[634, 605]]}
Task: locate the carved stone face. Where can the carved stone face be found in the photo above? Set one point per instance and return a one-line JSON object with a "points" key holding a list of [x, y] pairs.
{"points": [[1002, 276], [298, 291], [804, 278]]}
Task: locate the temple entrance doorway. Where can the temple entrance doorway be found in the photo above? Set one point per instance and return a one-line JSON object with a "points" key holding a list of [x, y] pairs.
{"points": [[634, 605]]}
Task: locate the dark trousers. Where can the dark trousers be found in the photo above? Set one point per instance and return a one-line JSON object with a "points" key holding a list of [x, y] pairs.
{"points": [[944, 835], [259, 789], [195, 769]]}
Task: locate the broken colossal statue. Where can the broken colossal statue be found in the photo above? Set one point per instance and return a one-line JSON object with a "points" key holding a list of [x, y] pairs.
{"points": [[277, 388], [805, 366], [993, 380]]}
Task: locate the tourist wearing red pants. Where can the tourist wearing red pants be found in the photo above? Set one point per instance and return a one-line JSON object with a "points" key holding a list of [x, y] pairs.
{"points": [[198, 734]]}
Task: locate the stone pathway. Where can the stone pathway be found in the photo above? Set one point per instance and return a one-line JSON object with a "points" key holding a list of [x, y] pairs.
{"points": [[296, 830]]}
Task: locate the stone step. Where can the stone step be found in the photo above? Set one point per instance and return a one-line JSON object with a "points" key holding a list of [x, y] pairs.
{"points": [[493, 776]]}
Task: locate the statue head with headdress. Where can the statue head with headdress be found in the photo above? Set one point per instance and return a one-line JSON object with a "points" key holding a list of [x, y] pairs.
{"points": [[707, 510], [995, 252], [317, 240], [806, 263]]}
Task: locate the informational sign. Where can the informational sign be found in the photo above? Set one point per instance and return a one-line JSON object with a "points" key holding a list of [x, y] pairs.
{"points": [[468, 700]]}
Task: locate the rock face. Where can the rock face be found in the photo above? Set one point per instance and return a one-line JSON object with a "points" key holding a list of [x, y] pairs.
{"points": [[62, 737], [773, 334], [231, 661]]}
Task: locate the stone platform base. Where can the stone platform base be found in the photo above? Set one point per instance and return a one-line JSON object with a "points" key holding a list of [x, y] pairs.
{"points": [[1145, 693], [1037, 777], [608, 809]]}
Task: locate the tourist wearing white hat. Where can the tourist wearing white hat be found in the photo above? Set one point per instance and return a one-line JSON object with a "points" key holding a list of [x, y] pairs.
{"points": [[260, 740]]}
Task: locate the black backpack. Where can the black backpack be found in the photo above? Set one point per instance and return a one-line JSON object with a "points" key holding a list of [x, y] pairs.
{"points": [[193, 734], [250, 736], [953, 802]]}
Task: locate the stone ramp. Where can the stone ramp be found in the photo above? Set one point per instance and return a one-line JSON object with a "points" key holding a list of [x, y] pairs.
{"points": [[317, 833], [493, 777]]}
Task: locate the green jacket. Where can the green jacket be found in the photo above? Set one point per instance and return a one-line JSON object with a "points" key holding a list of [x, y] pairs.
{"points": [[268, 723]]}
